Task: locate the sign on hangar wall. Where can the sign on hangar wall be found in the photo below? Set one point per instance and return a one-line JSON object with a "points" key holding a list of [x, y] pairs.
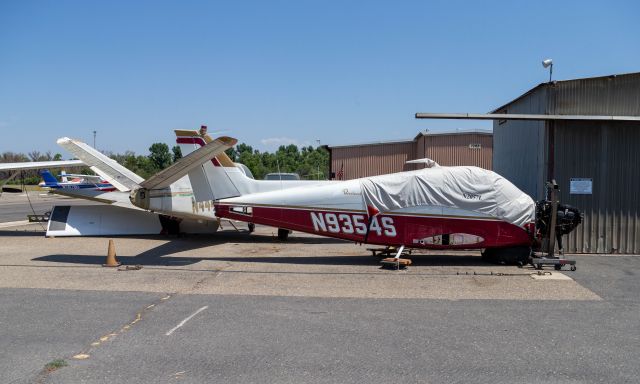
{"points": [[580, 186]]}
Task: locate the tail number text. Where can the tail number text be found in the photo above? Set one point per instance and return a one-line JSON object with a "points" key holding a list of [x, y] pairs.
{"points": [[350, 224]]}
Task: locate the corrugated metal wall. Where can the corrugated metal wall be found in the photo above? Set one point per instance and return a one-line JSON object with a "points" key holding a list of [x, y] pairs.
{"points": [[518, 146], [607, 153], [459, 149], [371, 160], [379, 159], [612, 96]]}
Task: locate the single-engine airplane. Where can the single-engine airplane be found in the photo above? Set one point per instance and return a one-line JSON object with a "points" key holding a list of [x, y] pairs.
{"points": [[15, 168], [77, 182], [435, 208]]}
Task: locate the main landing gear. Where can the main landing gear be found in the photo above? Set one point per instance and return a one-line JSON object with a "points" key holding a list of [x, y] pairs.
{"points": [[283, 234], [515, 255]]}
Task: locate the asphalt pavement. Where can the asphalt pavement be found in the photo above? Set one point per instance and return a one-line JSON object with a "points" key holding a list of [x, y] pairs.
{"points": [[240, 308], [252, 339], [16, 206]]}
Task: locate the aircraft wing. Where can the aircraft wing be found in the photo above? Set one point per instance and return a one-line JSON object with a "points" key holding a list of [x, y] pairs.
{"points": [[40, 165], [109, 169]]}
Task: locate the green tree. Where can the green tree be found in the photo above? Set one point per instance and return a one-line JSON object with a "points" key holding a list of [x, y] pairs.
{"points": [[232, 153], [308, 162], [159, 156], [140, 165], [177, 153]]}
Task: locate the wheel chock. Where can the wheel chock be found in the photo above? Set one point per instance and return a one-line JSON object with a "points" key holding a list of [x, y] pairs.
{"points": [[111, 256], [392, 262]]}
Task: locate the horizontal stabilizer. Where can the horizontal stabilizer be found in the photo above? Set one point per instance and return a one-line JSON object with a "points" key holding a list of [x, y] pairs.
{"points": [[109, 169], [182, 167]]}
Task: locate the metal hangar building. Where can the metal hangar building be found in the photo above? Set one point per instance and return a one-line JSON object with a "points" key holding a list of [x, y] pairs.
{"points": [[589, 142], [371, 159]]}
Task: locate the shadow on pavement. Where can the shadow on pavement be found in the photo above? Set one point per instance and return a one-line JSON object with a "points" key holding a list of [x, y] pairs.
{"points": [[19, 233], [220, 237], [159, 257]]}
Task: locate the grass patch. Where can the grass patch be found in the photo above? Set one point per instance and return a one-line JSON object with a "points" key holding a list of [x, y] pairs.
{"points": [[55, 364]]}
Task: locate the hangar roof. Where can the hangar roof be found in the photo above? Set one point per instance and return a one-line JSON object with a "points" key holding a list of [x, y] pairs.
{"points": [[580, 85], [422, 133]]}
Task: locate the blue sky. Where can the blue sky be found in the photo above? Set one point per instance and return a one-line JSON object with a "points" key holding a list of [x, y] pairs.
{"points": [[272, 72]]}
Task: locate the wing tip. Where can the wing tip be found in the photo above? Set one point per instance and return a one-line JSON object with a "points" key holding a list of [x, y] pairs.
{"points": [[227, 140], [63, 140]]}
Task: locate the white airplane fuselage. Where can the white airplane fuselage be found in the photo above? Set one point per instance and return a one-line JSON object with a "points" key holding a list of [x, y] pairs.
{"points": [[338, 210]]}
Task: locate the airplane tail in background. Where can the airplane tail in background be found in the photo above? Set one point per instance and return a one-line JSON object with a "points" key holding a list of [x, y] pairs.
{"points": [[221, 178], [140, 196], [220, 168], [49, 179], [142, 190]]}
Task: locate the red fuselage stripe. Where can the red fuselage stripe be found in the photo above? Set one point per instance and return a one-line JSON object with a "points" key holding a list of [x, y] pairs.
{"points": [[385, 229]]}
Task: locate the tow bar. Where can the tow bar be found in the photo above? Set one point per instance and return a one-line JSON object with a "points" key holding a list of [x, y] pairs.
{"points": [[557, 263]]}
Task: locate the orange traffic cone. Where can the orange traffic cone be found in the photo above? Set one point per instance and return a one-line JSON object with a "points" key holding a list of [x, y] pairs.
{"points": [[111, 256]]}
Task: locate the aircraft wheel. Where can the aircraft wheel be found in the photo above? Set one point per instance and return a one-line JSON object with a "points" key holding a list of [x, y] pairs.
{"points": [[283, 234], [489, 256], [252, 227]]}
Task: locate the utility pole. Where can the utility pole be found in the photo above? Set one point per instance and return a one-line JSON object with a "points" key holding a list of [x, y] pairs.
{"points": [[94, 138]]}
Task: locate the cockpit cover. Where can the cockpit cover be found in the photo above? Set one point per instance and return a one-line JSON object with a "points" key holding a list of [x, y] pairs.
{"points": [[468, 188]]}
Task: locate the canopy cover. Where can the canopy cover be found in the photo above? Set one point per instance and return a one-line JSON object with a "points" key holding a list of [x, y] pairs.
{"points": [[468, 188]]}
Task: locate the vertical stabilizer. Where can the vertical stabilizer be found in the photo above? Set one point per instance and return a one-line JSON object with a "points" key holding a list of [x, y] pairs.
{"points": [[212, 180], [49, 179]]}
